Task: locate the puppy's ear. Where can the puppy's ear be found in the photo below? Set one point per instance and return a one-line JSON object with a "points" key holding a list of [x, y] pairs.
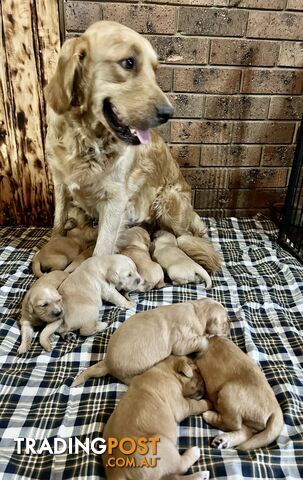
{"points": [[184, 367], [70, 224], [112, 276], [55, 278], [66, 88]]}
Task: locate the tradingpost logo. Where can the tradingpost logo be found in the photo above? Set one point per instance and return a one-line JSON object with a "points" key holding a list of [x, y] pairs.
{"points": [[119, 451]]}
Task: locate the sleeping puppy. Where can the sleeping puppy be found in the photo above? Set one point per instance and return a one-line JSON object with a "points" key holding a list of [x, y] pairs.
{"points": [[245, 405], [82, 292], [153, 405], [148, 337], [41, 304], [61, 250], [135, 243], [180, 268]]}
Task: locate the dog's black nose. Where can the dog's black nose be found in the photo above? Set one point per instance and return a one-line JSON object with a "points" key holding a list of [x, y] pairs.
{"points": [[57, 313], [138, 280], [164, 113]]}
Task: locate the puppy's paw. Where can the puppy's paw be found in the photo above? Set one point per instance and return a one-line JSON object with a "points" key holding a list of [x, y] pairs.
{"points": [[129, 304], [220, 442], [208, 416], [195, 453], [101, 326], [69, 336], [23, 348]]}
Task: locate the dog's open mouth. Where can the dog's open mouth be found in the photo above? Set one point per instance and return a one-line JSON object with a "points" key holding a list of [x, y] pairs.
{"points": [[130, 135]]}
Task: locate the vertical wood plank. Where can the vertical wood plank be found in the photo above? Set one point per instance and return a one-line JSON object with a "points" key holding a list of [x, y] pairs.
{"points": [[30, 45]]}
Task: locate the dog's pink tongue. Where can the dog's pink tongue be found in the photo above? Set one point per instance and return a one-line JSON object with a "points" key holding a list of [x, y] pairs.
{"points": [[143, 135]]}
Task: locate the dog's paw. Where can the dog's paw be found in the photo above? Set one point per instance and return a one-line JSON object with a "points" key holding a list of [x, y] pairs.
{"points": [[23, 348], [101, 326], [220, 442], [129, 304], [195, 453], [69, 337]]}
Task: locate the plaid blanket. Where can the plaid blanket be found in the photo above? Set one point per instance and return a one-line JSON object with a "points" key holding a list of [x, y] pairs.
{"points": [[260, 285]]}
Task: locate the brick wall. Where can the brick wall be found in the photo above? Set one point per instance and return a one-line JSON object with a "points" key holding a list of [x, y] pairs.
{"points": [[233, 70]]}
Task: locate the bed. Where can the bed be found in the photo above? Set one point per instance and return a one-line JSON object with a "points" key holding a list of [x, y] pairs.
{"points": [[261, 286]]}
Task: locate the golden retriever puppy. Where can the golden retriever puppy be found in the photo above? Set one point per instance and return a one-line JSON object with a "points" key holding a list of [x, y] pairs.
{"points": [[180, 268], [153, 405], [135, 243], [102, 151], [41, 304], [82, 292], [61, 250], [244, 404], [148, 337]]}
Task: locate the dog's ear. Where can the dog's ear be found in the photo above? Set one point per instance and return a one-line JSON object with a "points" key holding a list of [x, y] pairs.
{"points": [[70, 224], [112, 276], [185, 368], [66, 89], [27, 308]]}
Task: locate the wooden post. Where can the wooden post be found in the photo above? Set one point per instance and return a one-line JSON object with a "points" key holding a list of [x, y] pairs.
{"points": [[29, 49]]}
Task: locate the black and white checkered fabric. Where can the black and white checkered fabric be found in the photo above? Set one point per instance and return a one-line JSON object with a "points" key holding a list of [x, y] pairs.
{"points": [[262, 288]]}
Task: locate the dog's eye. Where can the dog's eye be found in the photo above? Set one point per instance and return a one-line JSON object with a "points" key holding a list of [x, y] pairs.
{"points": [[129, 274], [128, 63], [44, 305]]}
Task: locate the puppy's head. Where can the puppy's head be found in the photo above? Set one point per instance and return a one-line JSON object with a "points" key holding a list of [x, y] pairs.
{"points": [[123, 274], [45, 303], [135, 236], [109, 74], [189, 376], [213, 316]]}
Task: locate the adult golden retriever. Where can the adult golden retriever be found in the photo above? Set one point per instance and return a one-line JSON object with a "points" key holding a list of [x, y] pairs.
{"points": [[104, 100]]}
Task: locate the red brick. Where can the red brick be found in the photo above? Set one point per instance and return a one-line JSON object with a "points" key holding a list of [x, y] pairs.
{"points": [[272, 81], [142, 18], [80, 15], [230, 155], [212, 22], [283, 108], [182, 50], [187, 105], [263, 132], [279, 25], [278, 156], [201, 3], [186, 155], [225, 51], [242, 198], [291, 54], [258, 177], [295, 5], [207, 80], [200, 132], [235, 106], [207, 178], [165, 77], [259, 4]]}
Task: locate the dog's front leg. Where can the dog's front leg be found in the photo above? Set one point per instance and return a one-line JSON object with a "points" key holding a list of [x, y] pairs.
{"points": [[113, 296], [61, 208], [111, 219]]}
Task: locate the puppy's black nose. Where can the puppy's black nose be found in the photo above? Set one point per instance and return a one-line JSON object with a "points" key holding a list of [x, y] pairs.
{"points": [[164, 113], [57, 313], [138, 280]]}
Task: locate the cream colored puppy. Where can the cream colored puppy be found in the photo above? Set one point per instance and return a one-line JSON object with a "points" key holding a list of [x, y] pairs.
{"points": [[245, 405], [135, 243], [41, 304], [153, 405], [180, 268], [61, 250], [82, 292], [148, 337]]}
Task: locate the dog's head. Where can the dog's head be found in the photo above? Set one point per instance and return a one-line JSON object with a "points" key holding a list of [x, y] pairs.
{"points": [[188, 375], [213, 315], [44, 303], [123, 273], [109, 74]]}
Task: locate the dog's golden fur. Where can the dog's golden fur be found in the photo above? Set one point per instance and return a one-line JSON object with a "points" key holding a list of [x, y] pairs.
{"points": [[115, 182]]}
